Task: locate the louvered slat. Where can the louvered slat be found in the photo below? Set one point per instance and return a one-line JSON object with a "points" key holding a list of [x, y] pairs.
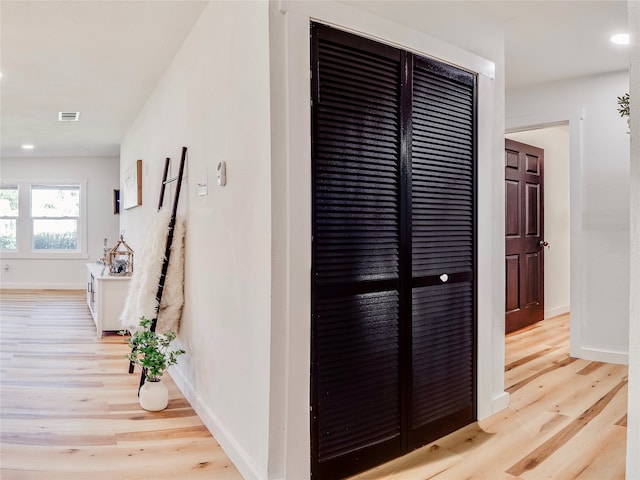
{"points": [[356, 168], [358, 378], [442, 181], [442, 344]]}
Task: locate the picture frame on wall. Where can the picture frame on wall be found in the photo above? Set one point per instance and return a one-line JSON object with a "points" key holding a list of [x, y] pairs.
{"points": [[116, 201], [132, 185]]}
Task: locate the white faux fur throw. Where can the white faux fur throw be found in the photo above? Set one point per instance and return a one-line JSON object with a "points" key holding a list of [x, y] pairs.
{"points": [[141, 299]]}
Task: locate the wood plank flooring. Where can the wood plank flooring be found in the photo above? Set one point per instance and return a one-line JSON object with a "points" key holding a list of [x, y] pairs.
{"points": [[566, 420], [69, 409]]}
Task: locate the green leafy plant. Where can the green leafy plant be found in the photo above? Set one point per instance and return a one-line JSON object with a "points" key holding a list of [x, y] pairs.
{"points": [[623, 105], [152, 351]]}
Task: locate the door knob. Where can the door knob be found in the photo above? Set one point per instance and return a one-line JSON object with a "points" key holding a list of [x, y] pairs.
{"points": [[542, 243]]}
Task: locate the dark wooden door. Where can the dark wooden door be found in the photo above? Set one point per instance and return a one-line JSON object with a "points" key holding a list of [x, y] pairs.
{"points": [[524, 232], [393, 254]]}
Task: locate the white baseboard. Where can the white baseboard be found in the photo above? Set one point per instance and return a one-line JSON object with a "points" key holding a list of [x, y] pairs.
{"points": [[554, 312], [240, 458], [598, 355], [43, 286], [497, 403], [500, 402], [234, 451]]}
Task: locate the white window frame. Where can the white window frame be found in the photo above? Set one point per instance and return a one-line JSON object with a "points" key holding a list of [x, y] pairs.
{"points": [[24, 231], [12, 217]]}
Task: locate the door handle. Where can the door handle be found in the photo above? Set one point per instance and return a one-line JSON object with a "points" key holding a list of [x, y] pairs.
{"points": [[543, 244]]}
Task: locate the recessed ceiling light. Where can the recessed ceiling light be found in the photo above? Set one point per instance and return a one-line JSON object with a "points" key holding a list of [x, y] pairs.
{"points": [[620, 39], [27, 147]]}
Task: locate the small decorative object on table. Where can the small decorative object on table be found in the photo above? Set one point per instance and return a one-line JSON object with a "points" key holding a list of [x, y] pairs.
{"points": [[104, 260], [152, 351], [121, 258]]}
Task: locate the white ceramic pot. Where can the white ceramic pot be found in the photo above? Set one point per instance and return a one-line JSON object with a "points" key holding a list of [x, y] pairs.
{"points": [[154, 395]]}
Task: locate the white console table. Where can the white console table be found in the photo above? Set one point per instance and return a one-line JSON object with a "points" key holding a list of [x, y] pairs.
{"points": [[106, 295]]}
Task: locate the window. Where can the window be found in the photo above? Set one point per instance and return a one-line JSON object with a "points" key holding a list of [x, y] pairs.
{"points": [[8, 217], [55, 213], [43, 219]]}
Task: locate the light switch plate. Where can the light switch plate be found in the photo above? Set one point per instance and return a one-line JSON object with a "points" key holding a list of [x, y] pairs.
{"points": [[221, 173]]}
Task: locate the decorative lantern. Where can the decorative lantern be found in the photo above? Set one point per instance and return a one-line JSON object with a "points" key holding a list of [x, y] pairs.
{"points": [[121, 258]]}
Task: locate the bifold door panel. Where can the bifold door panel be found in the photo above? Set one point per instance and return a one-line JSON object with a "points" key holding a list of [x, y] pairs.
{"points": [[393, 287]]}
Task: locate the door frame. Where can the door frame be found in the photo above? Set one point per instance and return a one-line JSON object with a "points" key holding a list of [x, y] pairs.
{"points": [[577, 261], [289, 451], [409, 281]]}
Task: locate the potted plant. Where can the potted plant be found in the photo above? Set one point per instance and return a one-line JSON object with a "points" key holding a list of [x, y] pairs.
{"points": [[623, 107], [152, 351]]}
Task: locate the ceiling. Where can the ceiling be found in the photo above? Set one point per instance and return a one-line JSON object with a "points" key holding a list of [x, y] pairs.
{"points": [[103, 58], [545, 40]]}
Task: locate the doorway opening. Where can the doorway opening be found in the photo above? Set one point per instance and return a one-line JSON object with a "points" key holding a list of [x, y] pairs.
{"points": [[554, 141]]}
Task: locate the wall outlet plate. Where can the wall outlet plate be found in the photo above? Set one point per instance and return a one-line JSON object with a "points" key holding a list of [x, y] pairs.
{"points": [[202, 188]]}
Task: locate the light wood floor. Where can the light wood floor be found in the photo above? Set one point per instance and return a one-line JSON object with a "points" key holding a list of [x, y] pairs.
{"points": [[69, 410], [566, 420]]}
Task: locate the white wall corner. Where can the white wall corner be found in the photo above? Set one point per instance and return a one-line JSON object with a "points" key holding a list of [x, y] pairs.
{"points": [[240, 458], [633, 416], [491, 396], [289, 436], [289, 429], [499, 403], [600, 355], [554, 312], [279, 371]]}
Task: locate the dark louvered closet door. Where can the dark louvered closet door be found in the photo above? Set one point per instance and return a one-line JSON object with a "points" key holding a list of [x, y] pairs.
{"points": [[355, 254], [443, 251], [393, 210]]}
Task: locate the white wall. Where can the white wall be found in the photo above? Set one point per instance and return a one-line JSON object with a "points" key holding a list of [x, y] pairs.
{"points": [[214, 99], [633, 418], [555, 143], [102, 178], [599, 204]]}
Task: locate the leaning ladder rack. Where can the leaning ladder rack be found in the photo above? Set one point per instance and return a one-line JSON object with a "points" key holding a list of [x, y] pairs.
{"points": [[170, 230]]}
